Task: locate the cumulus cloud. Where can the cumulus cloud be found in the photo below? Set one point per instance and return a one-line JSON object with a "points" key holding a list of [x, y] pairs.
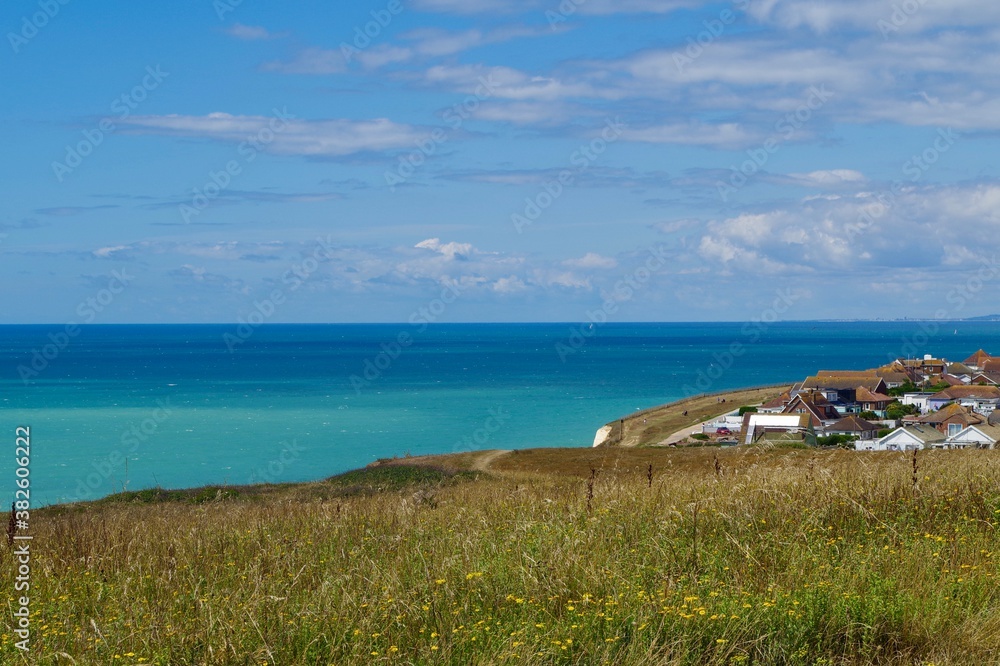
{"points": [[449, 250], [888, 18], [592, 260], [920, 228]]}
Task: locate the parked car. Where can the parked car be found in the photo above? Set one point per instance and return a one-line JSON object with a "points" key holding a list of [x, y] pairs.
{"points": [[723, 431]]}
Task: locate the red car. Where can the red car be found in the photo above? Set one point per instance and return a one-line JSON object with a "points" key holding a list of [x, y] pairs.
{"points": [[723, 431]]}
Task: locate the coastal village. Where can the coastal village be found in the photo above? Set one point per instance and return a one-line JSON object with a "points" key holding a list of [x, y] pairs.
{"points": [[906, 405]]}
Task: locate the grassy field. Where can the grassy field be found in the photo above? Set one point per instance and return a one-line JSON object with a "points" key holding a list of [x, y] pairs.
{"points": [[654, 425], [734, 556]]}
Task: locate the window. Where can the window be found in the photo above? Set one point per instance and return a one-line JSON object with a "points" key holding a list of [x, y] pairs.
{"points": [[954, 429]]}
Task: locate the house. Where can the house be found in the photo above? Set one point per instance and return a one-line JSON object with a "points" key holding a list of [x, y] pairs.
{"points": [[980, 399], [894, 379], [918, 400], [991, 365], [952, 380], [777, 405], [854, 427], [903, 367], [757, 426], [870, 401], [820, 410], [907, 438], [932, 366], [977, 360], [960, 370], [845, 385], [951, 420], [731, 421], [990, 377], [983, 436]]}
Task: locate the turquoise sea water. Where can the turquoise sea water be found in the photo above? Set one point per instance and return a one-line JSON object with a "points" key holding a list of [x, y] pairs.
{"points": [[140, 406]]}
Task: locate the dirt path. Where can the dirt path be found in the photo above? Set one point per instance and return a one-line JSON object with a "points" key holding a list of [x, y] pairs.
{"points": [[483, 462], [683, 433]]}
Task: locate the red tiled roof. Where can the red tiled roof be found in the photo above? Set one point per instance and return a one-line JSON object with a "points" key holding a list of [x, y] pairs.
{"points": [[950, 411], [963, 391], [977, 358], [864, 395], [852, 423]]}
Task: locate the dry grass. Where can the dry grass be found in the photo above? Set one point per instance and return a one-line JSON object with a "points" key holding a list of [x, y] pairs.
{"points": [[754, 557]]}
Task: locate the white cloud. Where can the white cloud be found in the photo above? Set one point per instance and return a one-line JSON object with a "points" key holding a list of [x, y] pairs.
{"points": [[828, 178], [509, 285], [450, 250], [252, 32], [927, 228], [311, 61], [594, 7], [823, 16], [592, 260], [319, 138], [110, 252], [694, 133]]}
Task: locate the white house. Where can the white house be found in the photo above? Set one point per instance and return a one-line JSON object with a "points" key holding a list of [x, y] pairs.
{"points": [[920, 400], [979, 436], [906, 438], [732, 420], [756, 424]]}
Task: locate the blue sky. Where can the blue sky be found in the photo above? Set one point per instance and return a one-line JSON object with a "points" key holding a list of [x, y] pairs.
{"points": [[516, 160]]}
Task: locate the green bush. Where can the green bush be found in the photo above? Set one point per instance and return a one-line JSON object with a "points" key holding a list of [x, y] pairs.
{"points": [[843, 441], [898, 410]]}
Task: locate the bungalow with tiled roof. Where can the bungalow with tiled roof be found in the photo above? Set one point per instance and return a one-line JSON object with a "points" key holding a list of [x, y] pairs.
{"points": [[777, 405], [854, 427], [976, 360], [821, 412], [959, 370], [980, 399], [990, 378], [991, 365], [907, 438], [951, 420], [894, 378], [912, 371], [845, 386], [982, 436], [951, 380], [870, 401]]}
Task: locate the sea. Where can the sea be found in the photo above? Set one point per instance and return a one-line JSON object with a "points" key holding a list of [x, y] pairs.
{"points": [[128, 407]]}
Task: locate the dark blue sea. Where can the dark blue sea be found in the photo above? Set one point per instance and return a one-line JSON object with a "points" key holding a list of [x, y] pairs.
{"points": [[114, 407]]}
